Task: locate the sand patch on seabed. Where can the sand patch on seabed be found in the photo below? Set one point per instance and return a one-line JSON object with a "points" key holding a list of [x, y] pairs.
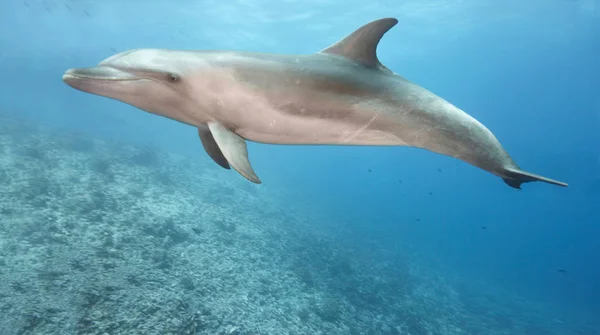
{"points": [[106, 238]]}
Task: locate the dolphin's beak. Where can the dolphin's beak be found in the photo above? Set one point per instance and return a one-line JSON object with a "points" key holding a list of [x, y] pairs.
{"points": [[97, 73], [100, 80]]}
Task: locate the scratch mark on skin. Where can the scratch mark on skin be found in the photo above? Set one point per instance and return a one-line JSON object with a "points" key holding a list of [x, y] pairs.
{"points": [[360, 130]]}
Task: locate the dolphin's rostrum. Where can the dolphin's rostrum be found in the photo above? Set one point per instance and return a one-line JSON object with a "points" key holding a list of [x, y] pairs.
{"points": [[341, 95]]}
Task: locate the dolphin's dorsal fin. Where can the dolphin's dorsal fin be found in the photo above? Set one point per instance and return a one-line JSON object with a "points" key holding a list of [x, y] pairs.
{"points": [[361, 45]]}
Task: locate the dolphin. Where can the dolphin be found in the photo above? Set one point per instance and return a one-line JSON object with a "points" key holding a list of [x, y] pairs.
{"points": [[341, 95]]}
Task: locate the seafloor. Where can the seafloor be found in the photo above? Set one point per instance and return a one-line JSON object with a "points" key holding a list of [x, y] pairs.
{"points": [[106, 238]]}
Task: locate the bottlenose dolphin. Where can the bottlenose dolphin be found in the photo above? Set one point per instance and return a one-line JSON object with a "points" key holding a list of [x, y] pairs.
{"points": [[341, 95]]}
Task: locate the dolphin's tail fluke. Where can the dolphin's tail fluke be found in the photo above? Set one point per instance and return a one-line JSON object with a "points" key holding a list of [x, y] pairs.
{"points": [[515, 177]]}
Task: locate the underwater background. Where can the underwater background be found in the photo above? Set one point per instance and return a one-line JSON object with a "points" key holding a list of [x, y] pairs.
{"points": [[115, 221]]}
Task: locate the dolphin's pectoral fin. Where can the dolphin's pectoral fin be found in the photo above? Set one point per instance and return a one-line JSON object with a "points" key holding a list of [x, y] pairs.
{"points": [[515, 177], [234, 149], [361, 45], [211, 146]]}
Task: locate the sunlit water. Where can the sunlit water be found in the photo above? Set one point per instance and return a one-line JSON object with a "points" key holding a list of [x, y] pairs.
{"points": [[114, 221]]}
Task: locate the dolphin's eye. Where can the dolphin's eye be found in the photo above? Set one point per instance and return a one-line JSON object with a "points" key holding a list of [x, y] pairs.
{"points": [[173, 78]]}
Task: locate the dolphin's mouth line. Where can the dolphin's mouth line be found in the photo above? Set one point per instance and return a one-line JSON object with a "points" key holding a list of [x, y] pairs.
{"points": [[101, 79], [102, 73]]}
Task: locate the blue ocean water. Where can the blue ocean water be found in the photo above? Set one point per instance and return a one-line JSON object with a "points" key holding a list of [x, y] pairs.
{"points": [[116, 221]]}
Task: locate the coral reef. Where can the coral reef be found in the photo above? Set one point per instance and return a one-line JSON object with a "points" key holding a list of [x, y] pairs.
{"points": [[105, 238]]}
